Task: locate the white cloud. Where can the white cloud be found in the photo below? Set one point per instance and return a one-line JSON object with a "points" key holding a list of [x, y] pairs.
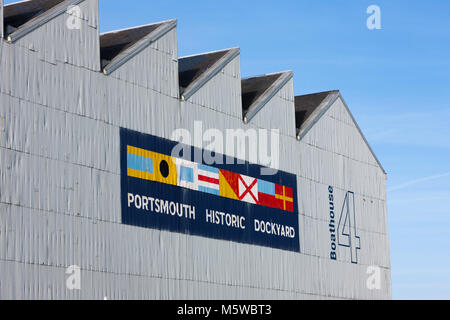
{"points": [[416, 181]]}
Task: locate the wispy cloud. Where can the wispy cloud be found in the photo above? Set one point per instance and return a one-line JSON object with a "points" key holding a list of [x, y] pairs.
{"points": [[419, 129], [416, 181]]}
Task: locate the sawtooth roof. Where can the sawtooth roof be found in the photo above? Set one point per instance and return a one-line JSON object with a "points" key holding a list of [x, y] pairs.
{"points": [[305, 105], [17, 14], [196, 70]]}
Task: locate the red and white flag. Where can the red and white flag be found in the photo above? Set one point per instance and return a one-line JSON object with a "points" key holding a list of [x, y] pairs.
{"points": [[248, 189]]}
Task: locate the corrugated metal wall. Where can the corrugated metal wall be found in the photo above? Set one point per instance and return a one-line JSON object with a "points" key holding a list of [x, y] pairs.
{"points": [[279, 112], [75, 47], [60, 181], [155, 68], [223, 92], [323, 163], [1, 18]]}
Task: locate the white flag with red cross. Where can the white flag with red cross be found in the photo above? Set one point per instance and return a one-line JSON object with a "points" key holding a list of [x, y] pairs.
{"points": [[248, 189]]}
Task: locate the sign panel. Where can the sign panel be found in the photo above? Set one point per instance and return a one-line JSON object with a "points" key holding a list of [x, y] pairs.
{"points": [[222, 201]]}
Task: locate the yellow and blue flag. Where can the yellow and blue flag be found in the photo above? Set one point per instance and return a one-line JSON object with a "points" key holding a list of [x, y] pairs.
{"points": [[152, 166]]}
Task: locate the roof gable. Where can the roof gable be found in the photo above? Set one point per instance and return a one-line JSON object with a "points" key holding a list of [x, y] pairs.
{"points": [[306, 105], [309, 109], [257, 91], [117, 47], [196, 70], [23, 17]]}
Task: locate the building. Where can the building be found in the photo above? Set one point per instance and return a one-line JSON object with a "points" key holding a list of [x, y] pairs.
{"points": [[86, 127]]}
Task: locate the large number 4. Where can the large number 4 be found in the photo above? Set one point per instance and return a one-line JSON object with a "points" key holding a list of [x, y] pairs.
{"points": [[347, 236]]}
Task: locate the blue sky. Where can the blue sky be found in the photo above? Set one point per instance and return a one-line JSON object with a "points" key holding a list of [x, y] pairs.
{"points": [[396, 81]]}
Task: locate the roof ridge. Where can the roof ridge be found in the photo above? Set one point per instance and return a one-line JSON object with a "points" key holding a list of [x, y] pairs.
{"points": [[268, 93], [136, 27], [137, 45], [315, 93], [205, 53], [320, 111], [40, 19], [210, 72], [266, 75]]}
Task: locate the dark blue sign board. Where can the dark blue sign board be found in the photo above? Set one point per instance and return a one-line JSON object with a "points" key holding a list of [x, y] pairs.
{"points": [[219, 201]]}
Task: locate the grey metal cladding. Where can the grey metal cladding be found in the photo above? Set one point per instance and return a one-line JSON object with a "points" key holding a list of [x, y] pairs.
{"points": [[323, 106], [48, 13], [362, 134], [136, 44], [210, 71], [1, 19], [305, 105], [267, 94], [326, 100]]}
